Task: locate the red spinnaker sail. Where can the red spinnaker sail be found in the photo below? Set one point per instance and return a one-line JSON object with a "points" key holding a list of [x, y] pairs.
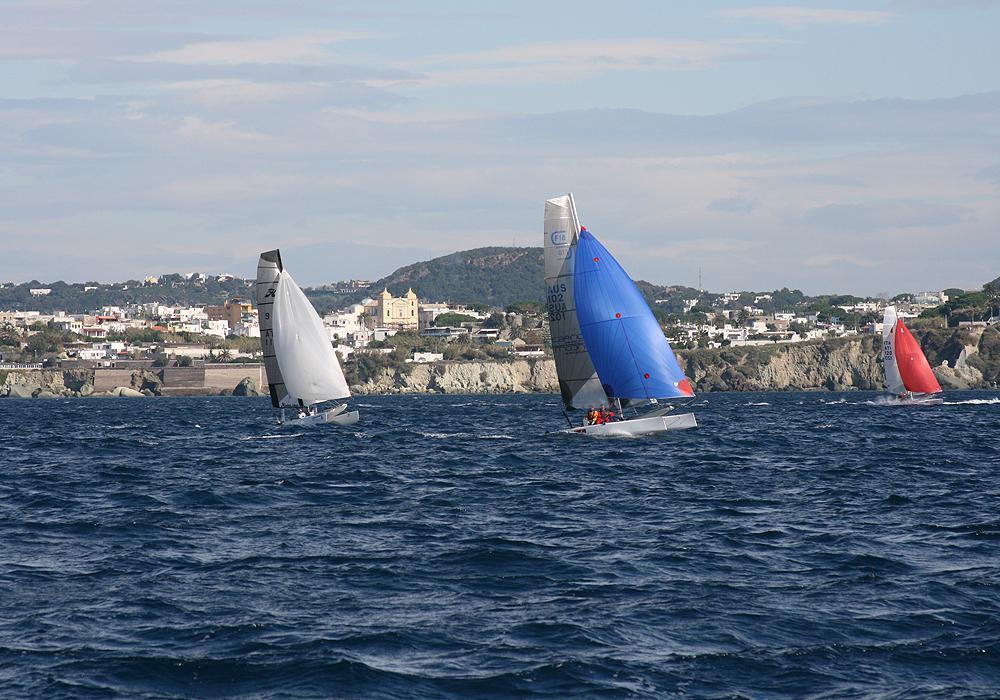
{"points": [[913, 366]]}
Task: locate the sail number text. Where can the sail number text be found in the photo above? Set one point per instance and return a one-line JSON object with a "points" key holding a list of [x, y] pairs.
{"points": [[555, 302]]}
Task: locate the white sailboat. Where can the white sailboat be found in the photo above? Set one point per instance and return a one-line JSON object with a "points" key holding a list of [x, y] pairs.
{"points": [[609, 349], [301, 364], [908, 375]]}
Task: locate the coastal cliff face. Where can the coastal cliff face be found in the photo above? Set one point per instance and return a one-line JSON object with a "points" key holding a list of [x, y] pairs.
{"points": [[962, 359], [836, 365], [49, 383], [521, 376]]}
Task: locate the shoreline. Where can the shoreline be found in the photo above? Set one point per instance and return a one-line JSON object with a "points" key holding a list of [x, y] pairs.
{"points": [[832, 365]]}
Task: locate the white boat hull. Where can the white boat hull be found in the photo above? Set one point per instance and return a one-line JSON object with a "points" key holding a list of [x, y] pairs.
{"points": [[637, 426], [916, 400], [336, 415]]}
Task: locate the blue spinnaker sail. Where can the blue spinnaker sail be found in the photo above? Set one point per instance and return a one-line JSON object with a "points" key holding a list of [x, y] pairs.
{"points": [[625, 342]]}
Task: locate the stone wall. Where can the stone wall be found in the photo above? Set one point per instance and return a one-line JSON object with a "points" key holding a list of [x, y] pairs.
{"points": [[108, 379], [223, 377]]}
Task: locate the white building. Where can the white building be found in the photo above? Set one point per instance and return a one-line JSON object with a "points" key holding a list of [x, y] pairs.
{"points": [[930, 298], [94, 332], [246, 329], [343, 323], [427, 356]]}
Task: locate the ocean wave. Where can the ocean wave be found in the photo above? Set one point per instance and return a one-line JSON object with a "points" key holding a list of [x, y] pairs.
{"points": [[281, 436], [453, 552]]}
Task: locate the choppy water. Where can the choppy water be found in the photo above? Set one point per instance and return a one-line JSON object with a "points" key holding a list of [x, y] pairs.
{"points": [[795, 545]]}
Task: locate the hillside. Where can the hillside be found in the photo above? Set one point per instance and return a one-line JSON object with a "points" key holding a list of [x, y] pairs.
{"points": [[497, 276], [169, 290]]}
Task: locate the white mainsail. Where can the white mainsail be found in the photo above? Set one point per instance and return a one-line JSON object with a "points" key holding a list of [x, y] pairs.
{"points": [[893, 380], [578, 381], [308, 362], [301, 363]]}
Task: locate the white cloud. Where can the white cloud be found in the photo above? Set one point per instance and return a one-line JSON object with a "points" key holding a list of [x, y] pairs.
{"points": [[230, 187], [218, 132], [796, 17], [308, 49], [838, 260], [225, 92], [576, 60]]}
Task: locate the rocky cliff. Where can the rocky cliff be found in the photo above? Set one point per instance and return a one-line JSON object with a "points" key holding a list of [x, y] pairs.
{"points": [[962, 359], [836, 365], [48, 383], [521, 376]]}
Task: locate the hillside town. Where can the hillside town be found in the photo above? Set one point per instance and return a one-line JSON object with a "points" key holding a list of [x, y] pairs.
{"points": [[158, 335]]}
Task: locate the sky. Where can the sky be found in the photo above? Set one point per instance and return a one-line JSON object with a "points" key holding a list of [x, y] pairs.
{"points": [[833, 146]]}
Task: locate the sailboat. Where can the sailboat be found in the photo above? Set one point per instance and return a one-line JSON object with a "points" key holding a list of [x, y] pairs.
{"points": [[608, 347], [301, 364], [908, 375]]}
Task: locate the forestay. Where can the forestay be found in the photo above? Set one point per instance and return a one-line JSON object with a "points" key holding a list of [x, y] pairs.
{"points": [[626, 345], [578, 380]]}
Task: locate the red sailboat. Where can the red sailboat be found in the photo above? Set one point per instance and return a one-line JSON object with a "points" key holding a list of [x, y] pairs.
{"points": [[908, 375]]}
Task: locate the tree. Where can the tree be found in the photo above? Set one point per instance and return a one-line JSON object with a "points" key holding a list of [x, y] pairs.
{"points": [[524, 307], [453, 319], [184, 361], [496, 320], [10, 337], [992, 292]]}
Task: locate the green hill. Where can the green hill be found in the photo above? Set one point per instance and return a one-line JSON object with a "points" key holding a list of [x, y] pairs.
{"points": [[497, 276], [81, 297]]}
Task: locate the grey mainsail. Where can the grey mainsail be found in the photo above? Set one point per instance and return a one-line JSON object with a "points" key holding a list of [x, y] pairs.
{"points": [[268, 273], [578, 381]]}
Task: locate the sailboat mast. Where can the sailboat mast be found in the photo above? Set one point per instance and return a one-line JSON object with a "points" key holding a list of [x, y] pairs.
{"points": [[576, 218]]}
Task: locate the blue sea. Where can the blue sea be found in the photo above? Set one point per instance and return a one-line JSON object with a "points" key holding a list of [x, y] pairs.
{"points": [[795, 545]]}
